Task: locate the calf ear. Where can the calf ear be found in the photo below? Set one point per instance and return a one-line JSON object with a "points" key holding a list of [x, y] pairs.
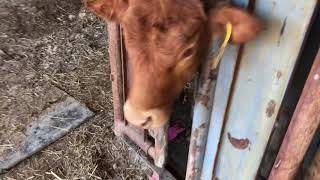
{"points": [[245, 26], [109, 10]]}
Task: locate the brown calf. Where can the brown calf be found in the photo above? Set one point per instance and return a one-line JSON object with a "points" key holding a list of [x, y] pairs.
{"points": [[166, 41]]}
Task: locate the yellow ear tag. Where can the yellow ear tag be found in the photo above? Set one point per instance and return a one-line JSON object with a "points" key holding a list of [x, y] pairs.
{"points": [[227, 37]]}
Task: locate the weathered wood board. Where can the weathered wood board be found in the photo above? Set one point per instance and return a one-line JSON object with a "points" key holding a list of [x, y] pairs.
{"points": [[53, 124]]}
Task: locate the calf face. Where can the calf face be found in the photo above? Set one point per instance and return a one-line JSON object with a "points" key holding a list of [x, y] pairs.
{"points": [[166, 41]]}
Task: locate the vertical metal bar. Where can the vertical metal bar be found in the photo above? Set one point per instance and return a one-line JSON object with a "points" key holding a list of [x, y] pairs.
{"points": [[116, 75], [198, 139], [219, 108], [161, 143], [220, 104], [304, 123], [200, 120]]}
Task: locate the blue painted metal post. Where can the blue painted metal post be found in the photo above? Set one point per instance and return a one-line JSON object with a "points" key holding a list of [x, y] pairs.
{"points": [[219, 108], [199, 132], [201, 118]]}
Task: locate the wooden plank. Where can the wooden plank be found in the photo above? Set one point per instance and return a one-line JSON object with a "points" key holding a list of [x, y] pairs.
{"points": [[264, 72], [53, 124], [304, 123]]}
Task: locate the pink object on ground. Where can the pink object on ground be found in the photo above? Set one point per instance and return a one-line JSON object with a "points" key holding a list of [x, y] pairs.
{"points": [[155, 176], [174, 132]]}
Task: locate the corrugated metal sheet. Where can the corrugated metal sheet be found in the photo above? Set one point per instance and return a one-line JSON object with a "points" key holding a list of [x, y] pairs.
{"points": [[260, 84]]}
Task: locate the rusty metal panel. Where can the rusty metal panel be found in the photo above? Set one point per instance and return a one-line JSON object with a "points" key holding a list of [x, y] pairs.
{"points": [[264, 71], [302, 128]]}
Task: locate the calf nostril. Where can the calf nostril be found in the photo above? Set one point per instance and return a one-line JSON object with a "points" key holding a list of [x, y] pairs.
{"points": [[148, 120]]}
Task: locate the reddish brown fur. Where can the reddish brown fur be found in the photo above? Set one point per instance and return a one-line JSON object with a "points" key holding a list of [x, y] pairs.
{"points": [[166, 41]]}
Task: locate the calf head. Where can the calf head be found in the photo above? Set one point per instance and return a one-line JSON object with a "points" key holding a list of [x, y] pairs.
{"points": [[166, 41]]}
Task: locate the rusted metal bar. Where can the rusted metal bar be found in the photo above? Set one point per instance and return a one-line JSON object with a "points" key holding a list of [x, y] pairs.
{"points": [[304, 123], [138, 138], [161, 173], [161, 143], [201, 119], [116, 75]]}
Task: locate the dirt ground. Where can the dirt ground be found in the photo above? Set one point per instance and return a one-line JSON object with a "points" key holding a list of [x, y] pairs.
{"points": [[49, 50]]}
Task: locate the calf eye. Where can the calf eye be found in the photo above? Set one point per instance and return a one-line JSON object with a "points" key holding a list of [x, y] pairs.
{"points": [[188, 52]]}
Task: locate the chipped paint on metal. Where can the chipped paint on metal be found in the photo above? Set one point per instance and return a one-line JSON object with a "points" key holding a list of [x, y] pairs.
{"points": [[270, 108], [283, 27], [203, 125], [279, 74], [239, 143], [204, 99]]}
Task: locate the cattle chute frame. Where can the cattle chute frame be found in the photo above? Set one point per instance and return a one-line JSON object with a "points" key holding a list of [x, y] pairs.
{"points": [[234, 147]]}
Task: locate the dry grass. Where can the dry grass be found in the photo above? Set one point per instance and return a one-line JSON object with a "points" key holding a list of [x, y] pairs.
{"points": [[48, 48]]}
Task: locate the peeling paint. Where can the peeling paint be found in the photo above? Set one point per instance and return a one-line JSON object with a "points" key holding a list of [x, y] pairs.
{"points": [[270, 108], [238, 143], [279, 74], [203, 125], [204, 99], [284, 24], [283, 27]]}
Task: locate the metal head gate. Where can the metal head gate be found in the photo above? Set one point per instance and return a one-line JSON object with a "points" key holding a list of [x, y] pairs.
{"points": [[231, 132]]}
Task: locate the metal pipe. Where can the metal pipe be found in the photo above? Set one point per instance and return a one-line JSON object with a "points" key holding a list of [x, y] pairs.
{"points": [[199, 135], [219, 109], [203, 107], [116, 75], [200, 120], [303, 125], [137, 138], [160, 146]]}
